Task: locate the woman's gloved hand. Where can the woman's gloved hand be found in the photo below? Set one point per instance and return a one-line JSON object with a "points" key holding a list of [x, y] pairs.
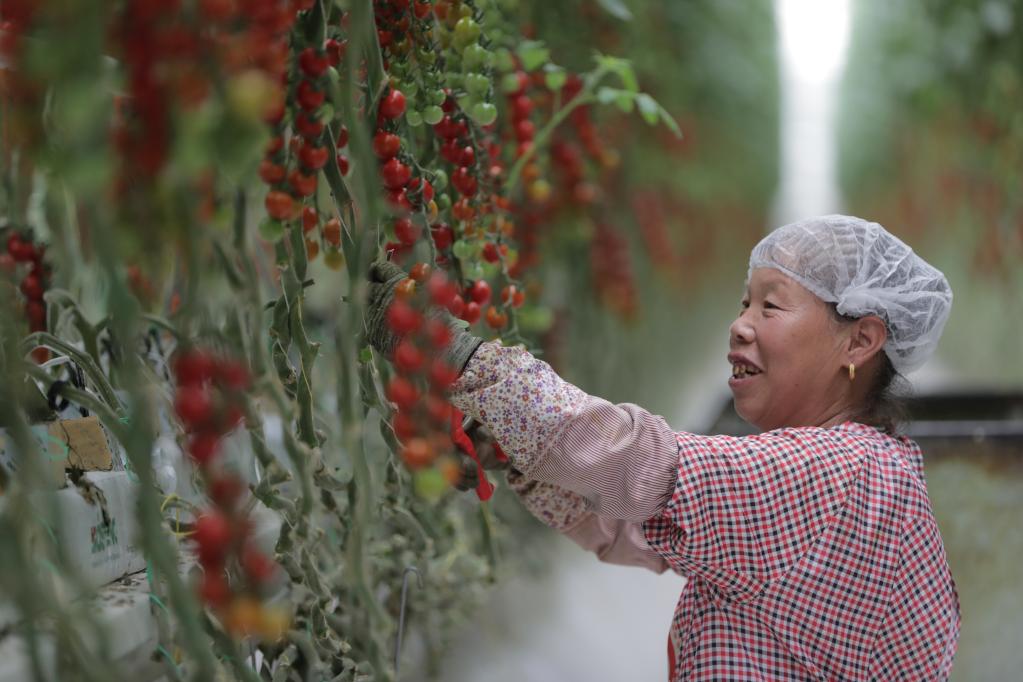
{"points": [[384, 276], [489, 452]]}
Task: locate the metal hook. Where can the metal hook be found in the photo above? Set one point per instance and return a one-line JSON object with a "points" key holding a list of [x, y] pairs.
{"points": [[401, 612]]}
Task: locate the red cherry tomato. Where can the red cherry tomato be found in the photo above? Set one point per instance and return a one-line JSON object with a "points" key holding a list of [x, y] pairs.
{"points": [[312, 63], [279, 205], [213, 536], [402, 393], [396, 174], [386, 145], [480, 292], [393, 104], [407, 357], [403, 318]]}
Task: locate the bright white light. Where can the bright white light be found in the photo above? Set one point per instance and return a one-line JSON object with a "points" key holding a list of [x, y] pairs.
{"points": [[814, 37]]}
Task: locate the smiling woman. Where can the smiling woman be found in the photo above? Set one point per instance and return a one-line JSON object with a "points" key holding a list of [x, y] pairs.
{"points": [[811, 548]]}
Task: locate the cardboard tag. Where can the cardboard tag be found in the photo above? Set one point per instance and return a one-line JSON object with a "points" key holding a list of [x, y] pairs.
{"points": [[80, 443]]}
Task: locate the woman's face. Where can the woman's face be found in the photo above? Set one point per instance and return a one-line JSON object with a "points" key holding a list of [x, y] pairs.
{"points": [[786, 352]]}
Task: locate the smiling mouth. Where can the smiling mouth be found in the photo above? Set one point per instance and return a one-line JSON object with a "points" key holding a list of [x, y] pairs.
{"points": [[742, 371]]}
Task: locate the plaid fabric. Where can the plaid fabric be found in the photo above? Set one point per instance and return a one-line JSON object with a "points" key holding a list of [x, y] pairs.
{"points": [[812, 555]]}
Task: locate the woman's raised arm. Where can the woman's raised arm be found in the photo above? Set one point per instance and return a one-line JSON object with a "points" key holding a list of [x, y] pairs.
{"points": [[620, 458]]}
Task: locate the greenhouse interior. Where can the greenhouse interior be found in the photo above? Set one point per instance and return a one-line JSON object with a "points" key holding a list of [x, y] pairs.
{"points": [[462, 340]]}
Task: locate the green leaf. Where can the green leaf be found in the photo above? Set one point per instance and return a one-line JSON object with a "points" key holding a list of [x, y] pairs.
{"points": [[649, 108], [623, 99], [555, 76], [616, 8], [621, 68], [533, 53]]}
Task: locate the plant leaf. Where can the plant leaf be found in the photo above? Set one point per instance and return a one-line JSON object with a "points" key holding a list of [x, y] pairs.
{"points": [[649, 108], [533, 53]]}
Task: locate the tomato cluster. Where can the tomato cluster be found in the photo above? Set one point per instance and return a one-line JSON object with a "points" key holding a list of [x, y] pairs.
{"points": [[208, 402], [422, 374], [36, 280]]}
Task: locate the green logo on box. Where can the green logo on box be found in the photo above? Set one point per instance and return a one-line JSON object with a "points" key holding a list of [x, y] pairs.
{"points": [[104, 536]]}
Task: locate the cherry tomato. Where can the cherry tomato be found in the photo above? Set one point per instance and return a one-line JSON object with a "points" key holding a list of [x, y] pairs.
{"points": [[420, 272], [438, 333], [258, 567], [214, 590], [309, 98], [32, 287], [495, 318], [403, 318], [270, 172], [308, 127], [406, 231], [464, 181], [456, 306], [304, 185], [417, 453], [212, 535], [442, 375], [203, 447], [490, 252], [443, 235], [279, 205], [313, 158], [404, 426], [342, 164], [393, 104], [480, 292], [332, 232], [407, 357], [471, 314], [396, 174], [386, 145], [335, 51], [405, 289], [310, 219], [312, 63], [193, 367], [342, 137], [402, 393], [193, 405]]}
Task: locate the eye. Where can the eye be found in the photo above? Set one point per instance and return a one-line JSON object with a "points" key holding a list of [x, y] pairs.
{"points": [[770, 305], [744, 303]]}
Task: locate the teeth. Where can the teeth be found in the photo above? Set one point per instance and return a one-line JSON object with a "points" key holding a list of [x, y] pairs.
{"points": [[740, 370]]}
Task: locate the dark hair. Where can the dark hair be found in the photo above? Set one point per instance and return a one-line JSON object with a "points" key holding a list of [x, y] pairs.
{"points": [[885, 408]]}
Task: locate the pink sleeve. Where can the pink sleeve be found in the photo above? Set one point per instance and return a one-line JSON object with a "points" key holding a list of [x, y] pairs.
{"points": [[612, 540], [620, 458]]}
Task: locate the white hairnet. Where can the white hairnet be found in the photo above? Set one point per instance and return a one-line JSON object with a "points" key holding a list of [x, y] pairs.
{"points": [[864, 270]]}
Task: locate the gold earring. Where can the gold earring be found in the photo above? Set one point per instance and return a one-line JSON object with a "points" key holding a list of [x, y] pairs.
{"points": [[852, 371]]}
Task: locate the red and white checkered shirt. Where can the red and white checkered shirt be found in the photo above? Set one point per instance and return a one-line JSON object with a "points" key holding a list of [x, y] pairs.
{"points": [[811, 553]]}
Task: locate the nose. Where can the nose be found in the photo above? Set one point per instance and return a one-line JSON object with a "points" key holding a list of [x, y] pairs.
{"points": [[741, 331]]}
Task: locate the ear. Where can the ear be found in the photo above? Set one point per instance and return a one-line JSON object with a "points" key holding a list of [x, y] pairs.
{"points": [[866, 339]]}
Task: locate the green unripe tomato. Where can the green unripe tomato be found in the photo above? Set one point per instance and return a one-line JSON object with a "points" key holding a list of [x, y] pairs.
{"points": [[509, 83], [409, 87], [476, 57], [503, 60], [483, 113], [429, 484], [477, 84], [462, 249], [439, 182], [453, 80], [443, 200], [466, 31], [436, 96], [425, 56], [413, 118], [271, 230], [433, 114]]}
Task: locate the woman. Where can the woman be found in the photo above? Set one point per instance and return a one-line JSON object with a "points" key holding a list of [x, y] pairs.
{"points": [[811, 550]]}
